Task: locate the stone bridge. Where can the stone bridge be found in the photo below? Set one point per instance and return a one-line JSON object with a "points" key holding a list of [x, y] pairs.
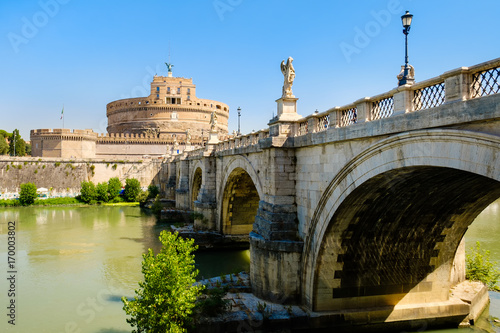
{"points": [[358, 211]]}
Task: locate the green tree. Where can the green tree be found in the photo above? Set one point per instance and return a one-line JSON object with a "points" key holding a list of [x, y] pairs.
{"points": [[28, 149], [4, 146], [20, 145], [88, 192], [478, 267], [28, 194], [102, 192], [114, 188], [132, 189], [164, 301], [153, 191]]}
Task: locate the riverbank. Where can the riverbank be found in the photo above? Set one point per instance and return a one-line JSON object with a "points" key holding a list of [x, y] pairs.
{"points": [[247, 312], [56, 202]]}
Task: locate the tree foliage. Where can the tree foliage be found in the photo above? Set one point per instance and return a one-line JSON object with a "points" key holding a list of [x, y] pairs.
{"points": [[132, 189], [18, 142], [153, 191], [102, 192], [480, 268], [88, 192], [164, 301], [114, 188], [4, 146], [28, 194]]}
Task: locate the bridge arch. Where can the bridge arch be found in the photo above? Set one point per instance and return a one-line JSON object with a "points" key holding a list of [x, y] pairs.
{"points": [[387, 227], [196, 181], [239, 196]]}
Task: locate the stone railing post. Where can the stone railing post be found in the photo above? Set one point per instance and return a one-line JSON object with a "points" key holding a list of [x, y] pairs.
{"points": [[335, 117], [403, 99], [457, 84], [312, 124], [364, 107]]}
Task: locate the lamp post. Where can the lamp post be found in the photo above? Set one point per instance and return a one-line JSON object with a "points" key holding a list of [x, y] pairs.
{"points": [[239, 115], [406, 20]]}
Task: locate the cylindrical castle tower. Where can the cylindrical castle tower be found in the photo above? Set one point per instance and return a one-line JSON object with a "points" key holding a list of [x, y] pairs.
{"points": [[170, 110]]}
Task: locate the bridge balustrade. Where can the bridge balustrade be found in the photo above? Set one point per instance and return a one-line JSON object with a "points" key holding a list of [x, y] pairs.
{"points": [[465, 83], [485, 82]]}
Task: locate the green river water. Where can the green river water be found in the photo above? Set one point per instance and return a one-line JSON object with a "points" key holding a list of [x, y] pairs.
{"points": [[73, 264]]}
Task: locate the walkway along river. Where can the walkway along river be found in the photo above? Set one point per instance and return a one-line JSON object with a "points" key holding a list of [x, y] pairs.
{"points": [[74, 264]]}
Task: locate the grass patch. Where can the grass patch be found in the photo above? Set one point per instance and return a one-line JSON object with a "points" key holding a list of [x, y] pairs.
{"points": [[132, 204]]}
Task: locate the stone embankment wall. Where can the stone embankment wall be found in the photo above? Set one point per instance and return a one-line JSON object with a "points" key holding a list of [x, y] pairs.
{"points": [[65, 175]]}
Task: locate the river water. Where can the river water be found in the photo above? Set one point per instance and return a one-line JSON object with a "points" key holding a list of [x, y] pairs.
{"points": [[73, 265]]}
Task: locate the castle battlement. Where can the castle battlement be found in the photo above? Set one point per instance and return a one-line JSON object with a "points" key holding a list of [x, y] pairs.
{"points": [[168, 121]]}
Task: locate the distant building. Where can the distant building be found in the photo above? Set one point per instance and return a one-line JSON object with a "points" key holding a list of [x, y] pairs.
{"points": [[168, 121]]}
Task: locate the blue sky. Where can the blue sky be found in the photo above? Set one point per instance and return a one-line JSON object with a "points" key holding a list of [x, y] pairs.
{"points": [[85, 54]]}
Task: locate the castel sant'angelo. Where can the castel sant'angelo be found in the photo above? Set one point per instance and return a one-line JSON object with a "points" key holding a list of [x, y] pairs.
{"points": [[170, 120]]}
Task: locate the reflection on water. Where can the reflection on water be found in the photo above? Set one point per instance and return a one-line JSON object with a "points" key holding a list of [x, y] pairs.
{"points": [[75, 264]]}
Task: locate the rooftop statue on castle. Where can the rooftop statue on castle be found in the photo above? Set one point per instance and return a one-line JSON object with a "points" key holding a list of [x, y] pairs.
{"points": [[213, 122], [188, 137], [289, 73], [169, 67]]}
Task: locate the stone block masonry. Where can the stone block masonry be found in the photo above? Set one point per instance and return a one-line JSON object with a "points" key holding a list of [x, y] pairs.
{"points": [[65, 175]]}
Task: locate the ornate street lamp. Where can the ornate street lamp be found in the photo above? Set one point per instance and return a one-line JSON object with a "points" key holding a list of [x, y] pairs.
{"points": [[406, 20], [239, 115]]}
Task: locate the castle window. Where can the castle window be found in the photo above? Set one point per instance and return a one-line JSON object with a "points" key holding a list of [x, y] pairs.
{"points": [[189, 98], [157, 96], [189, 91], [178, 90], [173, 100], [158, 89], [168, 90]]}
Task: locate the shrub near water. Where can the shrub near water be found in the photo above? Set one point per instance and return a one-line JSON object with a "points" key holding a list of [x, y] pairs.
{"points": [[480, 268], [164, 301], [132, 189], [28, 194], [114, 187], [102, 192], [88, 192]]}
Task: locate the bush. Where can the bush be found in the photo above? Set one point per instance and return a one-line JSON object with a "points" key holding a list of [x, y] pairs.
{"points": [[88, 192], [28, 194], [153, 191], [102, 192], [165, 300], [480, 268], [142, 198], [132, 190], [114, 188], [213, 303], [157, 207]]}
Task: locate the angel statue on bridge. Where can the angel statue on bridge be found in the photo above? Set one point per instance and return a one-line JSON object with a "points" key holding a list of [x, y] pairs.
{"points": [[213, 122], [289, 73]]}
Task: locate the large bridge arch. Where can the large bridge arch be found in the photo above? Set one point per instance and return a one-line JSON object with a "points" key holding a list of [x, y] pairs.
{"points": [[238, 197], [387, 227]]}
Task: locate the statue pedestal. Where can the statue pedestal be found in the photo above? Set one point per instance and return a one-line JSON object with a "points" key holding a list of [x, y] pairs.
{"points": [[287, 109], [213, 138], [285, 122]]}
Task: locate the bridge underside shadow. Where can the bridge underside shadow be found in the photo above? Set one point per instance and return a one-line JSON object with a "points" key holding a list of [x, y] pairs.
{"points": [[240, 204], [393, 240]]}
